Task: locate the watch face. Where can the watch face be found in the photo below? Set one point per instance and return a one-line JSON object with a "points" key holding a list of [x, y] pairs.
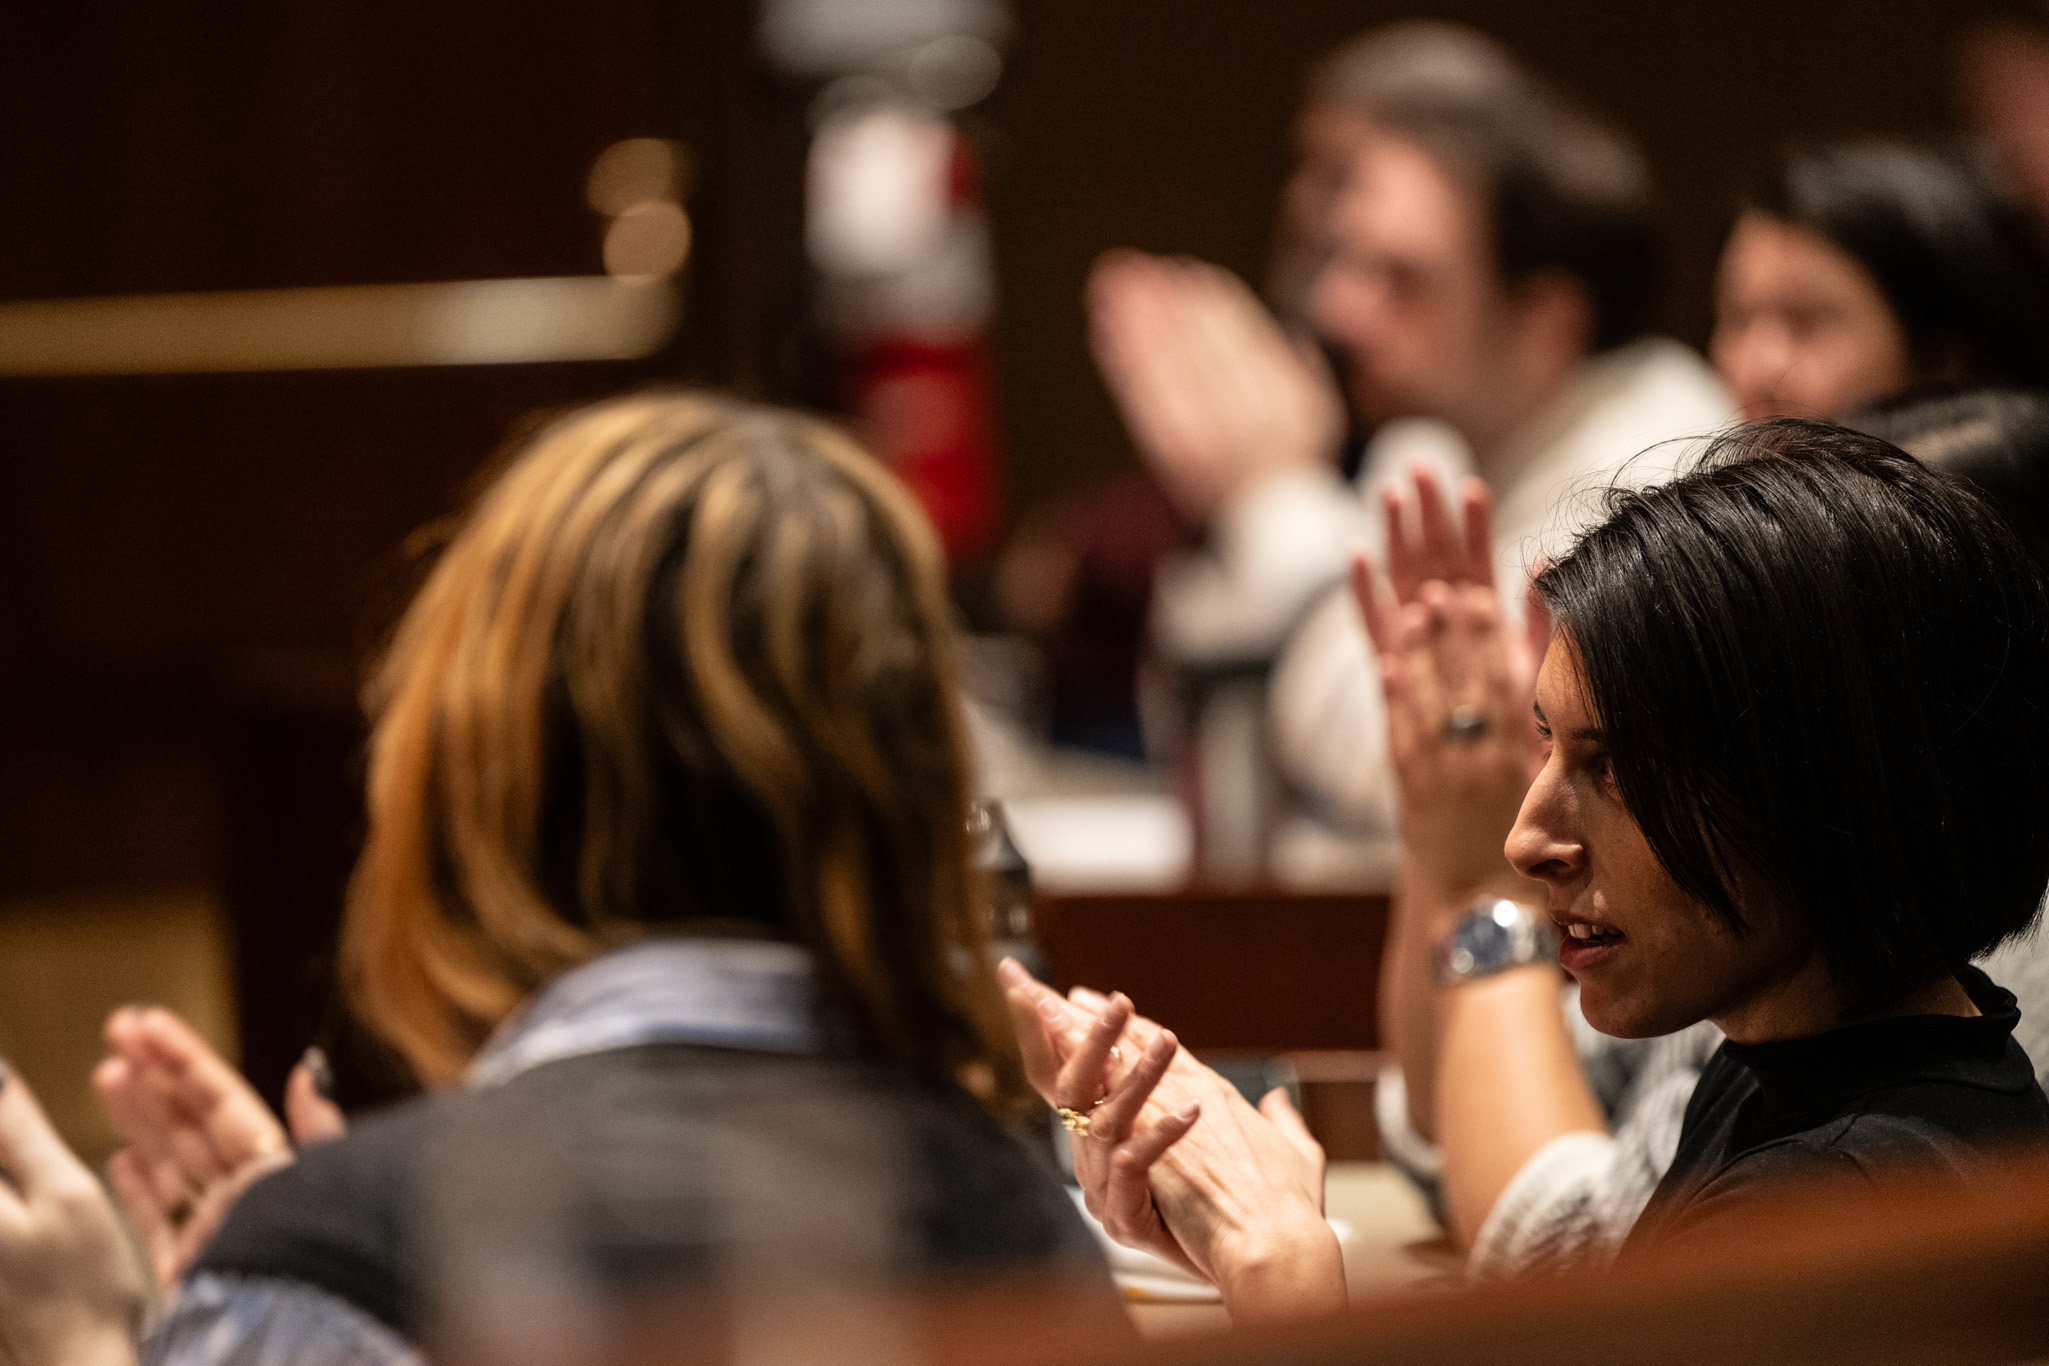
{"points": [[1483, 941], [1493, 936]]}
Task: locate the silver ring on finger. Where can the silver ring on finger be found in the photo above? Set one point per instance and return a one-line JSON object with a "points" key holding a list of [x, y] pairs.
{"points": [[1465, 725]]}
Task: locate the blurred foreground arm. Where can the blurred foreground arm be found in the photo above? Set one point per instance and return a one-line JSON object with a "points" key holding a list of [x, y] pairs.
{"points": [[70, 1292], [196, 1132]]}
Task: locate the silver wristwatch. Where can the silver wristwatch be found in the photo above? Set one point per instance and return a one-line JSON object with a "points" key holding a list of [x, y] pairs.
{"points": [[1494, 935]]}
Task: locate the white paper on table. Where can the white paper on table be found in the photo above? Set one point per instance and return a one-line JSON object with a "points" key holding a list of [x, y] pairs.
{"points": [[1102, 843]]}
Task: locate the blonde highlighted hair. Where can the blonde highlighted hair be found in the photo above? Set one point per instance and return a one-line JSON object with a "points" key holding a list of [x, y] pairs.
{"points": [[685, 666]]}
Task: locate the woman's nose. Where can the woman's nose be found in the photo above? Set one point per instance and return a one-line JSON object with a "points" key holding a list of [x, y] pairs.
{"points": [[1755, 363], [1540, 846]]}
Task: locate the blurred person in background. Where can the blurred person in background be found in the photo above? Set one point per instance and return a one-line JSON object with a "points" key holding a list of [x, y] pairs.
{"points": [[1472, 247], [1855, 270], [1862, 269], [1243, 511], [1997, 440], [2003, 78], [1493, 269], [667, 866]]}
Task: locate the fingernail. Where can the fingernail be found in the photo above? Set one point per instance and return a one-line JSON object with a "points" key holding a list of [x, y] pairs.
{"points": [[1187, 1114], [1050, 1010], [1007, 970], [314, 1060]]}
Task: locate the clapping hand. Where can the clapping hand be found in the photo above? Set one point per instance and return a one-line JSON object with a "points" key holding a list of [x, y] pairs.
{"points": [[197, 1134], [70, 1292], [1172, 1160], [1214, 392]]}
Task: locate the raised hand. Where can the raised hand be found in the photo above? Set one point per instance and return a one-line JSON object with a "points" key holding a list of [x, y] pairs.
{"points": [[1214, 392], [1428, 547], [1459, 732], [1458, 686], [70, 1292], [1462, 742], [196, 1133]]}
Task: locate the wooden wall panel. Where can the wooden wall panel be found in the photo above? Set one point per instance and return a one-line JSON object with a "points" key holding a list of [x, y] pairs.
{"points": [[191, 568]]}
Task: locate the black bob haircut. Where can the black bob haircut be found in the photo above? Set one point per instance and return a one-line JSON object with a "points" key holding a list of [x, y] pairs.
{"points": [[1822, 669], [1958, 263]]}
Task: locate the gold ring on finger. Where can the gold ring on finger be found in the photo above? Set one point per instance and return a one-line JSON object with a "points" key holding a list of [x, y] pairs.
{"points": [[1078, 1121]]}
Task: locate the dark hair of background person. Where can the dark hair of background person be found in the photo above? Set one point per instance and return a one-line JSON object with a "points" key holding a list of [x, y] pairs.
{"points": [[1566, 190], [687, 667], [1960, 265], [1822, 672], [1997, 440]]}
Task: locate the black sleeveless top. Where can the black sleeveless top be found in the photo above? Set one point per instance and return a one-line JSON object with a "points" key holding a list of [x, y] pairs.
{"points": [[665, 1165], [1866, 1107]]}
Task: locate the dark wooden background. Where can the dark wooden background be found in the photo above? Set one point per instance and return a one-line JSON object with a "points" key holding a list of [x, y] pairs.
{"points": [[191, 568]]}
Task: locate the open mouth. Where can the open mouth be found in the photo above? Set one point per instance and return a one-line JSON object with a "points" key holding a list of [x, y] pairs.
{"points": [[1582, 944]]}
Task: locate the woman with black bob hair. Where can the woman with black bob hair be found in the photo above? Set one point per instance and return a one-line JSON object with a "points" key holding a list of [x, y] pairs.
{"points": [[1807, 680], [1864, 268], [1819, 670], [1795, 777]]}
